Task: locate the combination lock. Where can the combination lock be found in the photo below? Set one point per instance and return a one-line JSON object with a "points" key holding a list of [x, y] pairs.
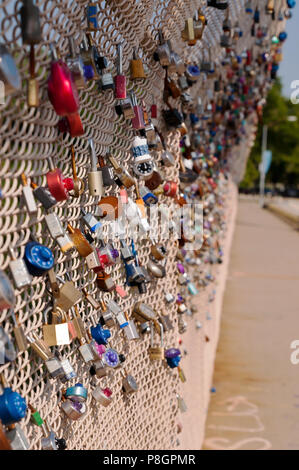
{"points": [[143, 165], [38, 258]]}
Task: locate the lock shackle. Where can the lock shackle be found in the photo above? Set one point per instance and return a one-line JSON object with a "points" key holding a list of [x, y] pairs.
{"points": [[92, 154], [53, 51], [161, 334], [119, 59], [72, 47]]}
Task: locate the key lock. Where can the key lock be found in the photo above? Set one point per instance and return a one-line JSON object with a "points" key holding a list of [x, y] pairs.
{"points": [[19, 271], [8, 352], [188, 32], [75, 64], [143, 313], [49, 441], [62, 91], [163, 53], [58, 233], [129, 384], [58, 186], [122, 176], [9, 73], [67, 295], [120, 80], [199, 24], [136, 67], [79, 185], [172, 117], [154, 266], [56, 333], [19, 334], [156, 353], [7, 293], [137, 121]]}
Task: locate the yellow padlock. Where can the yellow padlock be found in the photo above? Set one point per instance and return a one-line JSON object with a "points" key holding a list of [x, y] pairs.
{"points": [[136, 66]]}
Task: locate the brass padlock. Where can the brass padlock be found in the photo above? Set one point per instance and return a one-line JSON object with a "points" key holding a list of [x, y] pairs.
{"points": [[20, 336], [188, 32], [136, 66], [78, 324], [199, 24], [156, 353], [55, 334], [67, 295]]}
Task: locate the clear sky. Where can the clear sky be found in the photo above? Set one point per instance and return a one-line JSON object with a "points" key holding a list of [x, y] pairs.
{"points": [[289, 68]]}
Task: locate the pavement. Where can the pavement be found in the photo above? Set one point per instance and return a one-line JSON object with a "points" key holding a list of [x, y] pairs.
{"points": [[255, 403]]}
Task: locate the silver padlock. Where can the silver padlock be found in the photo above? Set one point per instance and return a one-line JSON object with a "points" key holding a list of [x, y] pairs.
{"points": [[28, 197], [19, 271], [102, 396], [75, 64], [95, 178], [58, 233], [100, 369], [17, 438], [91, 222], [54, 367], [118, 313], [130, 330], [86, 353], [74, 410], [68, 370], [129, 384], [7, 294], [92, 260]]}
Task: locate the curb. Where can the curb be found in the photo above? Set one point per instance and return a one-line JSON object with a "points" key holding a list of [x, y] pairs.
{"points": [[289, 217]]}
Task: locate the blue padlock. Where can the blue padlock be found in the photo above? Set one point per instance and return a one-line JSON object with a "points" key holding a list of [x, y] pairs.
{"points": [[38, 258], [91, 13], [192, 72], [291, 3], [12, 407], [76, 393], [194, 118], [282, 36], [99, 334], [173, 357]]}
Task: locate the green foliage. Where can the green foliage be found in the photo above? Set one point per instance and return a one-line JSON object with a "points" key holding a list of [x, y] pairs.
{"points": [[283, 140]]}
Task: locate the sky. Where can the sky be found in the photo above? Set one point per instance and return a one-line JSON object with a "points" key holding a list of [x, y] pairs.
{"points": [[289, 68]]}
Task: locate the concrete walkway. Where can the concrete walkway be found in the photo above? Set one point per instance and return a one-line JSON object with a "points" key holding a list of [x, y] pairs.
{"points": [[256, 403]]}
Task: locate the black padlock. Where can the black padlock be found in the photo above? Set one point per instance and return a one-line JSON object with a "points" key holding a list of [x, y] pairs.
{"points": [[30, 23], [172, 117]]}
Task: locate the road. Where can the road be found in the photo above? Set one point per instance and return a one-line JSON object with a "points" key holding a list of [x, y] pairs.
{"points": [[256, 403]]}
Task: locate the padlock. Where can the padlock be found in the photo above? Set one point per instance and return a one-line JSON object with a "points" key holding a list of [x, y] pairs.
{"points": [[55, 334], [9, 74], [118, 313], [44, 196], [81, 244], [38, 258], [154, 180], [19, 271], [219, 4], [142, 312], [62, 91], [93, 261], [50, 441], [58, 186], [72, 124], [173, 357], [91, 14], [156, 353], [129, 384], [91, 221], [166, 322], [76, 393], [199, 24], [107, 172], [163, 53], [86, 352], [248, 7], [100, 335], [39, 347], [158, 251], [143, 165], [7, 349], [137, 121], [170, 188], [67, 295], [183, 83], [17, 438], [95, 179], [32, 83], [54, 367], [79, 184], [120, 79], [7, 294], [76, 65], [123, 177], [105, 282], [188, 32], [172, 88], [91, 59], [192, 73], [172, 117], [19, 334], [57, 232], [13, 407], [91, 300], [74, 410], [136, 67], [149, 198], [130, 329], [102, 395], [106, 81], [156, 269], [28, 197], [256, 16], [30, 23], [107, 256], [68, 371]]}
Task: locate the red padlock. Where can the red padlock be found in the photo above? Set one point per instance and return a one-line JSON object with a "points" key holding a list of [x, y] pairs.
{"points": [[72, 124], [59, 186], [62, 90], [120, 80], [170, 188]]}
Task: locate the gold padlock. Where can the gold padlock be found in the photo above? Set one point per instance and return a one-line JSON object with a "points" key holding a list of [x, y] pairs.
{"points": [[67, 295], [156, 353], [55, 334], [188, 32], [199, 24], [78, 324], [32, 84], [136, 66]]}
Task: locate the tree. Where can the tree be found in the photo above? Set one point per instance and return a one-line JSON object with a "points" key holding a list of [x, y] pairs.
{"points": [[283, 140]]}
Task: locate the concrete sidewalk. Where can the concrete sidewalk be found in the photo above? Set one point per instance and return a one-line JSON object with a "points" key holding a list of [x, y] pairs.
{"points": [[256, 404]]}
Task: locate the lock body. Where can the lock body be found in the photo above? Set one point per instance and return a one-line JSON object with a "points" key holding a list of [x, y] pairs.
{"points": [[17, 438], [102, 396], [62, 91]]}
